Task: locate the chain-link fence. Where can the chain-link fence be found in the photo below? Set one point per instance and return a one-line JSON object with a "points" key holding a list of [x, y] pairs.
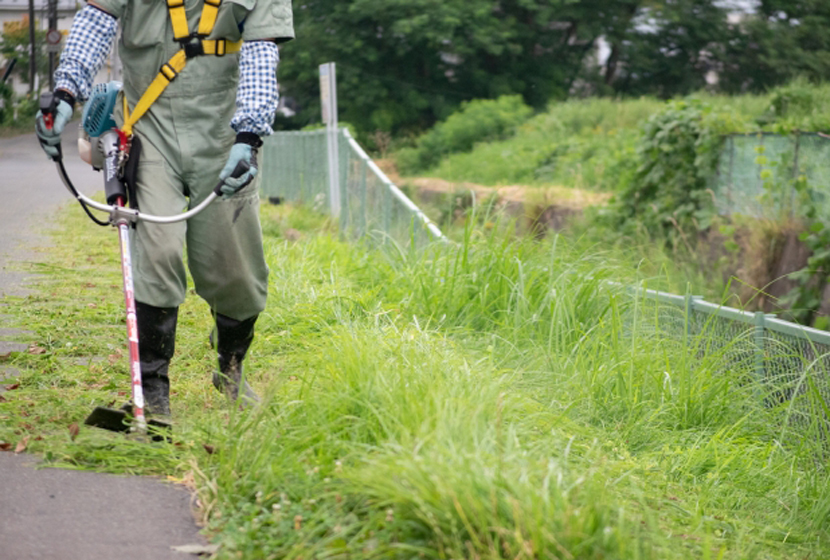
{"points": [[757, 173], [790, 364], [294, 168]]}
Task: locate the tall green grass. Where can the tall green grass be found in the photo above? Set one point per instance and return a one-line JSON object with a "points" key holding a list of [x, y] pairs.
{"points": [[492, 399], [500, 400]]}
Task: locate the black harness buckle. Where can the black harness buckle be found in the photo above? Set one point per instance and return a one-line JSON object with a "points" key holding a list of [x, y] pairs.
{"points": [[221, 47], [193, 47]]}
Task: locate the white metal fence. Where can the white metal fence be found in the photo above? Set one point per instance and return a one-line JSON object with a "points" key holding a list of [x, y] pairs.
{"points": [[295, 169]]}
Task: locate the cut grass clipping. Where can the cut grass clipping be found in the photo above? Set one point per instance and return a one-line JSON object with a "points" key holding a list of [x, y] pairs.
{"points": [[495, 399]]}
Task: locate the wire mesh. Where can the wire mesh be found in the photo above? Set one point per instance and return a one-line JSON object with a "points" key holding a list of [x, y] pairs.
{"points": [[371, 208], [732, 341], [295, 169], [813, 161], [756, 172], [789, 364], [655, 317], [796, 374]]}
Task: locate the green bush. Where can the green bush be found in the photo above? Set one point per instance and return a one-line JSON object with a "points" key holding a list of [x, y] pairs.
{"points": [[799, 106], [27, 108], [586, 143], [6, 108], [477, 121], [678, 156]]}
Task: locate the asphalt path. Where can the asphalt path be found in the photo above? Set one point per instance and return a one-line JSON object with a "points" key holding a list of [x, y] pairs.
{"points": [[60, 514], [30, 192]]}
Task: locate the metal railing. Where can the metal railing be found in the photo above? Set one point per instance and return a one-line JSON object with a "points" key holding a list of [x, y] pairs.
{"points": [[294, 168]]}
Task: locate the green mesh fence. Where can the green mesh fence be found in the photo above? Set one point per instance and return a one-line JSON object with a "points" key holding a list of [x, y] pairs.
{"points": [[295, 169], [756, 172]]}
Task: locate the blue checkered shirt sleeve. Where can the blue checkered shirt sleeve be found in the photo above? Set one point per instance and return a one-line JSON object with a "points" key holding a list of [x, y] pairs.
{"points": [[257, 96], [90, 42]]}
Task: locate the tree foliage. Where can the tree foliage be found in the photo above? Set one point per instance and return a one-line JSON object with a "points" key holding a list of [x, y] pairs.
{"points": [[786, 39], [669, 48], [14, 44], [404, 64]]}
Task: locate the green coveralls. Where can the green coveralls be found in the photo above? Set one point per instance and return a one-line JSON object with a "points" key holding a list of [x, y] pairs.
{"points": [[186, 138]]}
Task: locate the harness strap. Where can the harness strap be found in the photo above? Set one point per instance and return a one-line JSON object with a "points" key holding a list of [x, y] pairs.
{"points": [[167, 74], [178, 18], [192, 45], [221, 47], [208, 18]]}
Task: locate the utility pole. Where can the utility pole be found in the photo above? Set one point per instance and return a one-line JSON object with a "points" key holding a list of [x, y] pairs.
{"points": [[32, 50], [53, 28]]}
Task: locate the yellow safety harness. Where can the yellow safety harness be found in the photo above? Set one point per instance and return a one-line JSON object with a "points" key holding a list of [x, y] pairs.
{"points": [[193, 45]]}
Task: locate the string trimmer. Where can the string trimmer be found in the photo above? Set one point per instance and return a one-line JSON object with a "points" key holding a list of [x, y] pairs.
{"points": [[108, 149]]}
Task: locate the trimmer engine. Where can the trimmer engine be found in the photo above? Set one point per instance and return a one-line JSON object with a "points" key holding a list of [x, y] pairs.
{"points": [[101, 145]]}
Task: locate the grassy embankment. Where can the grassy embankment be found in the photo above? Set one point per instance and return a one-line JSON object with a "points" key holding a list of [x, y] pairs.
{"points": [[577, 154], [592, 144], [496, 400]]}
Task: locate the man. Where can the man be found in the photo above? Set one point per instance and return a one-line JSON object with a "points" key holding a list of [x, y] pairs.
{"points": [[190, 60]]}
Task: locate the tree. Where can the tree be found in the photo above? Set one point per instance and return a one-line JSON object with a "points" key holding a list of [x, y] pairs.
{"points": [[785, 39], [14, 43], [668, 48], [403, 64]]}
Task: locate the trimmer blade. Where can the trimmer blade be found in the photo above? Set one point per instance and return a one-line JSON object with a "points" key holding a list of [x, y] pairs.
{"points": [[112, 419], [119, 419]]}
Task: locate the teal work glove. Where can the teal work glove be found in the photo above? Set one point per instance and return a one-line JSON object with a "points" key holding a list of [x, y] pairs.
{"points": [[240, 170], [50, 138]]}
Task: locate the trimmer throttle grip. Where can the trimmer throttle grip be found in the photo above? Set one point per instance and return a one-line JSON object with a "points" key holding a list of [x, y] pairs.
{"points": [[48, 108], [48, 105], [241, 168]]}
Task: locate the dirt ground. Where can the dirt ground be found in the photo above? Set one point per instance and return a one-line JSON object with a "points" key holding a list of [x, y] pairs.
{"points": [[539, 208]]}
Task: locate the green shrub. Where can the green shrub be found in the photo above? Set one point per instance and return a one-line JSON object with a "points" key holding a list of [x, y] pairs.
{"points": [[477, 121], [799, 106], [678, 156], [26, 109], [586, 143], [6, 108]]}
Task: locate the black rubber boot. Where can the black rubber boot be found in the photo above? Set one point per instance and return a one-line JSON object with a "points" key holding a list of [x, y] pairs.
{"points": [[233, 338], [156, 344]]}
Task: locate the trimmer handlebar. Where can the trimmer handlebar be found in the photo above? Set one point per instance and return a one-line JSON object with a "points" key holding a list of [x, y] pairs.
{"points": [[117, 212], [122, 214], [48, 106], [241, 168]]}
